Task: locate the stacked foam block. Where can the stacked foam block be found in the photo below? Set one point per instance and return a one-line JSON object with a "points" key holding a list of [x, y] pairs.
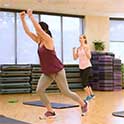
{"points": [[117, 74], [15, 78], [72, 73], [23, 78], [36, 73], [95, 71], [106, 71], [73, 76]]}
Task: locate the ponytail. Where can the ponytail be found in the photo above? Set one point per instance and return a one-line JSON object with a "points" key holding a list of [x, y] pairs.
{"points": [[45, 27], [49, 33]]}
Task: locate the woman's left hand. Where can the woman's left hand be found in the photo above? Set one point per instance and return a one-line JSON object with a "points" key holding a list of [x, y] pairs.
{"points": [[29, 12]]}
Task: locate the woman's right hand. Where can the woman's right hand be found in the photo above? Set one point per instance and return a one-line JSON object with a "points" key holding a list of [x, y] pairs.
{"points": [[22, 14], [74, 49]]}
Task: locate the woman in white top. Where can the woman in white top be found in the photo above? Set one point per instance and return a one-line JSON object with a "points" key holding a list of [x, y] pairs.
{"points": [[84, 55]]}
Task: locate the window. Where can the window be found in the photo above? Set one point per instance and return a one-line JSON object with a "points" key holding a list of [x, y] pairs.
{"points": [[26, 47], [118, 49], [54, 23], [72, 29], [16, 47], [117, 38], [7, 38]]}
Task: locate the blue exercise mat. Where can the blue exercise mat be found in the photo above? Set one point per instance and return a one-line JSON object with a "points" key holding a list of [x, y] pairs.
{"points": [[7, 120], [54, 105], [118, 114]]}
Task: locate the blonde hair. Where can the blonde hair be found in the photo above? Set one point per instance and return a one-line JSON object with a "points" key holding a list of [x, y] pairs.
{"points": [[84, 36]]}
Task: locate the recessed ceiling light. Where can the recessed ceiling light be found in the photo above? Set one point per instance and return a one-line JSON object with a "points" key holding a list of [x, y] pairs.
{"points": [[6, 4]]}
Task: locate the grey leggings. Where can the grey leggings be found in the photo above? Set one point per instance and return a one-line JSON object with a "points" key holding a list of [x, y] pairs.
{"points": [[60, 79]]}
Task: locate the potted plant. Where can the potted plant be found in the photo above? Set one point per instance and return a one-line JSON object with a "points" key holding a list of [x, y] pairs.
{"points": [[99, 45]]}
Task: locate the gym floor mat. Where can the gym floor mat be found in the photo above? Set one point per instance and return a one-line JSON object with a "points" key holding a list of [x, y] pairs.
{"points": [[7, 120], [54, 105], [118, 114]]}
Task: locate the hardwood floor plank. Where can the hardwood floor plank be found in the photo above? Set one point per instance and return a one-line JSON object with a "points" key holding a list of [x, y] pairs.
{"points": [[100, 109]]}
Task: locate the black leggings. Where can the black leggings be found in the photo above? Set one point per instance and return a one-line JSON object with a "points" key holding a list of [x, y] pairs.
{"points": [[85, 76]]}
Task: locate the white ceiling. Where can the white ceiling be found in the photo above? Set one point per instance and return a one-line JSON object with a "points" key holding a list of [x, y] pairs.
{"points": [[113, 8]]}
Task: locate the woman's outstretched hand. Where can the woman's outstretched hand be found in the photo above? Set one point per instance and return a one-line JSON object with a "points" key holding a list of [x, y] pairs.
{"points": [[29, 12], [22, 14]]}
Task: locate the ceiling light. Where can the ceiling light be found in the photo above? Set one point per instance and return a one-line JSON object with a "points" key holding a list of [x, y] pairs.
{"points": [[6, 5]]}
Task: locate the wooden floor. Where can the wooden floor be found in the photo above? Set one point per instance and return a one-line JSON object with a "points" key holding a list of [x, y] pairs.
{"points": [[100, 109]]}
